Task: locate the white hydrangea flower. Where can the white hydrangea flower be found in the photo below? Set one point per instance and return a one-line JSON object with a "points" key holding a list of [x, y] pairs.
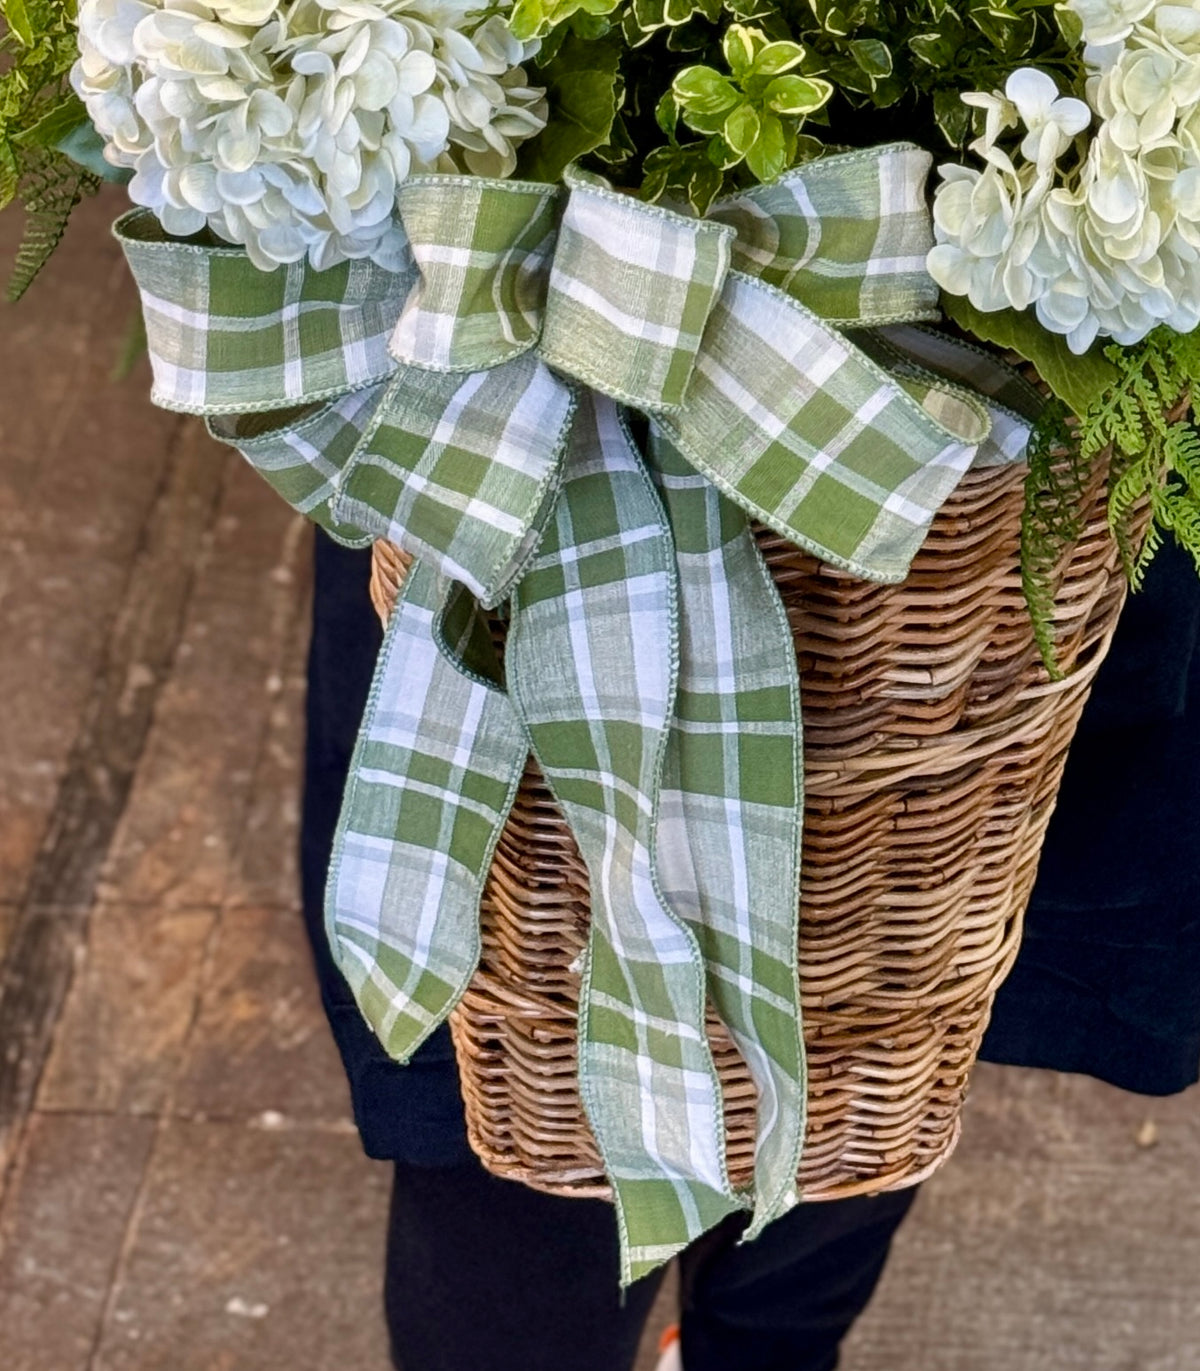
{"points": [[251, 13], [1109, 21], [106, 29], [1000, 115], [492, 107], [1143, 93], [1066, 304], [986, 229], [1176, 28], [287, 125], [1115, 257], [1051, 120], [1107, 246]]}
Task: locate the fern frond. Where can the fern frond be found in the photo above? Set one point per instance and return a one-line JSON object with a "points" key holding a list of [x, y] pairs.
{"points": [[38, 46], [1051, 521], [1176, 506], [1129, 481], [1146, 421], [50, 190], [1183, 455], [1145, 425], [1152, 541]]}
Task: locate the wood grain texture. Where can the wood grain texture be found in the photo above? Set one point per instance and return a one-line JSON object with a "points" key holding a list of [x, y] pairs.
{"points": [[261, 1044], [180, 837], [119, 1043], [80, 470]]}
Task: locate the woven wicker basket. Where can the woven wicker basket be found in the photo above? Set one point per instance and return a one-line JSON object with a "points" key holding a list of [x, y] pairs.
{"points": [[934, 747]]}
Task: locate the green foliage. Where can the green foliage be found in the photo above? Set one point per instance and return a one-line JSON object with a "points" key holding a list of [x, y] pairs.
{"points": [[691, 99], [702, 112], [37, 112], [643, 19], [84, 146], [710, 96], [581, 86], [536, 18], [1149, 422], [1079, 382], [687, 98], [1052, 520], [50, 190], [755, 113], [1146, 421]]}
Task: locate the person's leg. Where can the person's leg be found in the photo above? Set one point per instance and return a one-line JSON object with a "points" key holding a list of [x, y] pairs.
{"points": [[785, 1301], [488, 1275]]}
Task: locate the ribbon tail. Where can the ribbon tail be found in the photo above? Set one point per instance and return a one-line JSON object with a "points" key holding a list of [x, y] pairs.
{"points": [[592, 660], [732, 805], [305, 459], [435, 770]]}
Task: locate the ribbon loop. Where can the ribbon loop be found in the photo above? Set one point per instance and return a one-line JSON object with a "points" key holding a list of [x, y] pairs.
{"points": [[304, 459], [921, 353], [846, 236], [631, 290], [616, 294], [482, 250], [227, 338], [799, 427], [462, 471]]}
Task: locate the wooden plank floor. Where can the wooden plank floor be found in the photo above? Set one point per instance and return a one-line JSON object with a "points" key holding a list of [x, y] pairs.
{"points": [[180, 1182]]}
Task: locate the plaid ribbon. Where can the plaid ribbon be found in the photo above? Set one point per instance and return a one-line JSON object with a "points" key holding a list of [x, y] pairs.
{"points": [[474, 409]]}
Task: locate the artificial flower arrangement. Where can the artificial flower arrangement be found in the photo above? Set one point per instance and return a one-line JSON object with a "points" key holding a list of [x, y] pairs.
{"points": [[420, 260]]}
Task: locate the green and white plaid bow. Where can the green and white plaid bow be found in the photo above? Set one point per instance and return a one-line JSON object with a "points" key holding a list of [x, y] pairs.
{"points": [[474, 410]]}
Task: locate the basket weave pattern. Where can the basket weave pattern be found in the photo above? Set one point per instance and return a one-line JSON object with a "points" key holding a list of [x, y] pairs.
{"points": [[934, 747]]}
